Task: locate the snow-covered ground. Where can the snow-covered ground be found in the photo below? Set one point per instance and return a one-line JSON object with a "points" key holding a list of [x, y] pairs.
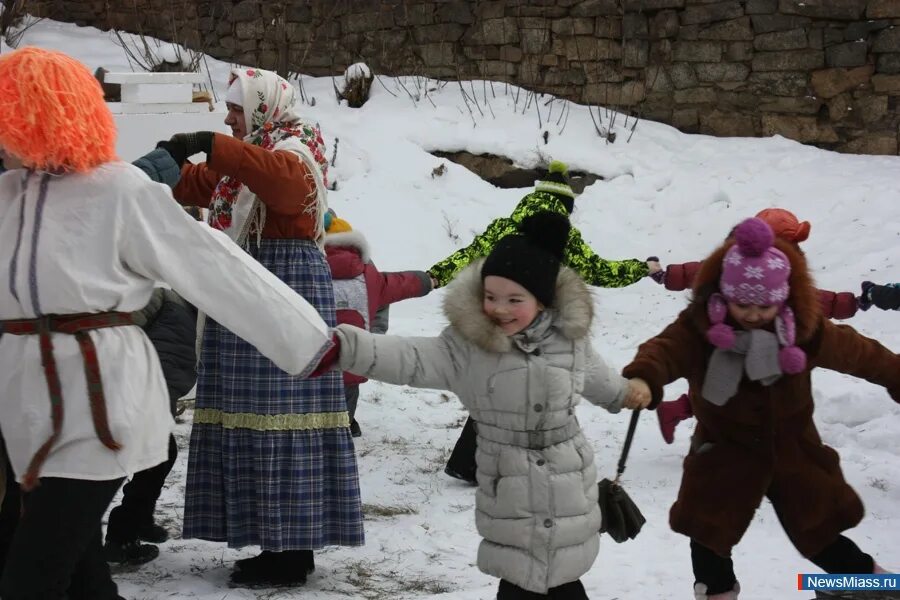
{"points": [[665, 194]]}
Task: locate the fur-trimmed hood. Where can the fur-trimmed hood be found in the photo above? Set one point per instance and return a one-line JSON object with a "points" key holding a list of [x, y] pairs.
{"points": [[350, 239], [347, 254], [803, 298], [573, 309]]}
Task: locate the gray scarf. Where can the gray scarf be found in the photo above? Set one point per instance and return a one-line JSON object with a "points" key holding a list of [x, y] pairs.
{"points": [[755, 352], [531, 337]]}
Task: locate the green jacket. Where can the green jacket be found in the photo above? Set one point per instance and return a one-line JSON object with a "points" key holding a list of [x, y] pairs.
{"points": [[579, 256]]}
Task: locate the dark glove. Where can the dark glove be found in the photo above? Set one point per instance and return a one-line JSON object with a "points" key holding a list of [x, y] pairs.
{"points": [[886, 297], [176, 151], [192, 143], [865, 300]]}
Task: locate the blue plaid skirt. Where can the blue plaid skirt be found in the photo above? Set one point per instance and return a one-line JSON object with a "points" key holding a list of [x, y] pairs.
{"points": [[278, 489]]}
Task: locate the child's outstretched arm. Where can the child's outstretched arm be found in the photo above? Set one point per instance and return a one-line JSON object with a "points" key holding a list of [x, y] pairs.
{"points": [[666, 357], [425, 362], [603, 386], [401, 285], [842, 348], [482, 245], [598, 271], [680, 277], [837, 305]]}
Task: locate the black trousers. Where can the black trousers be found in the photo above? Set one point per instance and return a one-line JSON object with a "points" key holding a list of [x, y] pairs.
{"points": [[568, 591], [462, 459], [9, 512], [351, 395], [56, 551], [139, 498], [717, 572]]}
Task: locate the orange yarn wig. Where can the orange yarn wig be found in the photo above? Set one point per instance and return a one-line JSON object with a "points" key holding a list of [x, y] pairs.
{"points": [[52, 113]]}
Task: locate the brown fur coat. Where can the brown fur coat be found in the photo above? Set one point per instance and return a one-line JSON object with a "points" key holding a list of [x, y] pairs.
{"points": [[763, 442]]}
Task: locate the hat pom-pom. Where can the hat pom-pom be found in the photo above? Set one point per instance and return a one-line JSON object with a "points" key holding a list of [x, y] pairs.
{"points": [[792, 360], [549, 230], [721, 335], [558, 166], [753, 237]]}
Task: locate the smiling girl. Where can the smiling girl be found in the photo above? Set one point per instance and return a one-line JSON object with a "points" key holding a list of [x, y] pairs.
{"points": [[517, 354]]}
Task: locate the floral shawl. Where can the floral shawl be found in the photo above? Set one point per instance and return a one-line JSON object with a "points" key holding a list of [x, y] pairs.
{"points": [[269, 111]]}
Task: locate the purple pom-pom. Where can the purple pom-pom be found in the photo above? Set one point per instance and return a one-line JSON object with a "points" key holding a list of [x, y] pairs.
{"points": [[721, 335], [792, 360], [753, 237]]}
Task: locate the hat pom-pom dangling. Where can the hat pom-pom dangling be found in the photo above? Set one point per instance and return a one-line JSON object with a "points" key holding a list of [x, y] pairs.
{"points": [[753, 237], [719, 335], [792, 360]]}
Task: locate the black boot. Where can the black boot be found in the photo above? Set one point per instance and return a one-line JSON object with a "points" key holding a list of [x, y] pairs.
{"points": [[273, 569], [130, 553], [153, 533], [257, 562]]}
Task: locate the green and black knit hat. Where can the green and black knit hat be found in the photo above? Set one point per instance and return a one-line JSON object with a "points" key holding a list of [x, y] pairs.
{"points": [[556, 182]]}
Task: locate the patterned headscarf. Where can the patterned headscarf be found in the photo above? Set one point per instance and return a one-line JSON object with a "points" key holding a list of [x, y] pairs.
{"points": [[269, 102]]}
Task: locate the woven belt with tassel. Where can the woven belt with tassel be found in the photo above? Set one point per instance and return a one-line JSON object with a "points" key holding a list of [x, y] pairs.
{"points": [[78, 325]]}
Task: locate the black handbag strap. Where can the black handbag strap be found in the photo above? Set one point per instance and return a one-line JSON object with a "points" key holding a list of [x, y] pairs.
{"points": [[628, 439]]}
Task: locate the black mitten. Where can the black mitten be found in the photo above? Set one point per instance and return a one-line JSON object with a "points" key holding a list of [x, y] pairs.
{"points": [[176, 151], [194, 143]]}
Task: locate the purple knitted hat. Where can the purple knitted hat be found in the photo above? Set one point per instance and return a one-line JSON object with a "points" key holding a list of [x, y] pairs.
{"points": [[756, 272], [753, 270]]}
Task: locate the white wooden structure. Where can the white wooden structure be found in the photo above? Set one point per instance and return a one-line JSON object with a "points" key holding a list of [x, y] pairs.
{"points": [[155, 93], [156, 106]]}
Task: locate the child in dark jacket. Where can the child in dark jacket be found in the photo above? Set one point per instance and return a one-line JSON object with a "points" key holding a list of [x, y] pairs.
{"points": [[885, 297], [361, 291], [679, 277], [747, 344], [170, 323]]}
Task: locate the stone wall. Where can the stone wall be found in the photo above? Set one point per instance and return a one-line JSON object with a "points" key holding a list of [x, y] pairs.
{"points": [[825, 72]]}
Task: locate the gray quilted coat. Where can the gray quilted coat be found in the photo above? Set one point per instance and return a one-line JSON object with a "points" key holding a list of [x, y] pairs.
{"points": [[536, 503]]}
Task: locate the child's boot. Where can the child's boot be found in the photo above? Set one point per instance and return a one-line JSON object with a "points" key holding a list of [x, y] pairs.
{"points": [[671, 413], [700, 593]]}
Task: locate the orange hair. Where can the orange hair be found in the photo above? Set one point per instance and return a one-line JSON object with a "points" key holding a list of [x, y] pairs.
{"points": [[785, 224], [52, 113]]}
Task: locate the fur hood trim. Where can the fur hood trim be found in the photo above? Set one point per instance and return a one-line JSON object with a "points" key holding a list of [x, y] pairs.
{"points": [[573, 309], [350, 239]]}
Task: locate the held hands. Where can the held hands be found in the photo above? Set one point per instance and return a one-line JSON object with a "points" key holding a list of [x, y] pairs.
{"points": [[657, 273], [183, 145], [638, 394]]}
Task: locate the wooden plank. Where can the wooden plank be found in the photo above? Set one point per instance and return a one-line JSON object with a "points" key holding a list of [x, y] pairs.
{"points": [[122, 108], [154, 78], [158, 93]]}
